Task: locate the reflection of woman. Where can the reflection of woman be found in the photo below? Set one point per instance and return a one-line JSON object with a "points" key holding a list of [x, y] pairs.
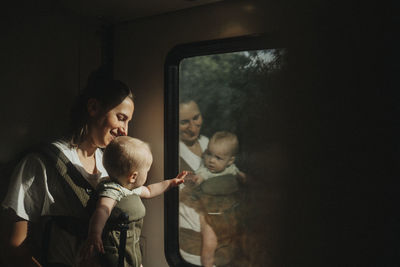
{"points": [[191, 144], [191, 147], [39, 190]]}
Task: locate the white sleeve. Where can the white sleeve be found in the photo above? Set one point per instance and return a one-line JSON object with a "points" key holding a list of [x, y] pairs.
{"points": [[28, 193], [137, 191]]}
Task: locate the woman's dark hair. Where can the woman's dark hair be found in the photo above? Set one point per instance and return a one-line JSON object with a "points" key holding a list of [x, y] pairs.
{"points": [[109, 92], [187, 97]]}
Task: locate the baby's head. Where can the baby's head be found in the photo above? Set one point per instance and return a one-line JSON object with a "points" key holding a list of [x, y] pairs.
{"points": [[128, 160], [221, 151]]}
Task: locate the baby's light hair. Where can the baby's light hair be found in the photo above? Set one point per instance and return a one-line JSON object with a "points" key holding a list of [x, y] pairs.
{"points": [[124, 155], [228, 139]]}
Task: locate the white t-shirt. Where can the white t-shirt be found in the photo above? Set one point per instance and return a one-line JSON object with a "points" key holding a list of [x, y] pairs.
{"points": [[189, 157], [188, 217], [28, 194], [206, 174]]}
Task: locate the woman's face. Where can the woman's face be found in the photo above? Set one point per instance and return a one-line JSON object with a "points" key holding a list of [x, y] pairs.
{"points": [[190, 121], [106, 126]]}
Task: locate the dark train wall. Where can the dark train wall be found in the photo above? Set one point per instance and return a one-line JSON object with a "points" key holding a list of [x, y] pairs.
{"points": [[333, 202], [46, 55]]}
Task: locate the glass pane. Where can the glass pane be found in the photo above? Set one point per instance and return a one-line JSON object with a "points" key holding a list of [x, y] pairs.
{"points": [[224, 118]]}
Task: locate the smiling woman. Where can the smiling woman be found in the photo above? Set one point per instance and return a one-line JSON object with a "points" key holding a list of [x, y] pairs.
{"points": [[111, 124], [51, 188], [104, 108]]}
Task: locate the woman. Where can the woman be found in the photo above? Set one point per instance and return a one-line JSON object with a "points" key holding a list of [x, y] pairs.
{"points": [[39, 190], [205, 240], [193, 227], [191, 143]]}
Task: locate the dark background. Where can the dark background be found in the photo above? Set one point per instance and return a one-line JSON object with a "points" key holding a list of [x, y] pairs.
{"points": [[319, 141], [332, 198]]}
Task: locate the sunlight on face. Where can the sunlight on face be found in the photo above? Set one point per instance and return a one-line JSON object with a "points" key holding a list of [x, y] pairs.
{"points": [[190, 121], [112, 124]]}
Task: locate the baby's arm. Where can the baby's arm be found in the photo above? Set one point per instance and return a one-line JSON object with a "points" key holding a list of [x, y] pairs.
{"points": [[96, 226], [156, 189]]}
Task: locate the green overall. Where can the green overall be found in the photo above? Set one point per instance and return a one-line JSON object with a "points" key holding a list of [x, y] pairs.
{"points": [[65, 229], [133, 206], [218, 199]]}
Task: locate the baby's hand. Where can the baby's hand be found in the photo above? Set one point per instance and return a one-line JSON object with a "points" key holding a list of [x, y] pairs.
{"points": [[179, 178], [193, 179], [182, 175], [92, 243], [198, 179]]}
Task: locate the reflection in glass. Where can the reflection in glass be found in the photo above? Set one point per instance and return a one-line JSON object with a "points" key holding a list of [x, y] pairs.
{"points": [[223, 119]]}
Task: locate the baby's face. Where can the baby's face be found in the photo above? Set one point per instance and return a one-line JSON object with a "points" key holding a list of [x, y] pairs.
{"points": [[217, 157]]}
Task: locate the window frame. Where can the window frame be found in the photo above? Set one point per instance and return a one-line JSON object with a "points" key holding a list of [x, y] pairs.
{"points": [[171, 122]]}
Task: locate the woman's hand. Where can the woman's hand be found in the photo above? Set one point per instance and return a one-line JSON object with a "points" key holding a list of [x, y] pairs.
{"points": [[242, 177]]}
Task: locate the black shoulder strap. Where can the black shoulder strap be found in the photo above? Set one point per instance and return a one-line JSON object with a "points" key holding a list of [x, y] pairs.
{"points": [[76, 182], [69, 172]]}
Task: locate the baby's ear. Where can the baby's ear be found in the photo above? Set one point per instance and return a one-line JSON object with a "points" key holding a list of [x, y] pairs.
{"points": [[132, 177], [231, 161]]}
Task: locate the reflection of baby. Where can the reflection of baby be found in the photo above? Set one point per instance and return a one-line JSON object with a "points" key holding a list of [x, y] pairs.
{"points": [[218, 161], [219, 157]]}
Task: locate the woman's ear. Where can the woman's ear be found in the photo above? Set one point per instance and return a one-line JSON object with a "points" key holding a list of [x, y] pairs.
{"points": [[132, 177], [93, 107]]}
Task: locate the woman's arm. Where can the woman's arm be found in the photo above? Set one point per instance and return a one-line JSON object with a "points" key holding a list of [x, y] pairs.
{"points": [[27, 187], [156, 189], [209, 243], [16, 248]]}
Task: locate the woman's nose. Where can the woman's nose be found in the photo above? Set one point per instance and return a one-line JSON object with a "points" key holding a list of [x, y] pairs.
{"points": [[192, 126], [123, 130]]}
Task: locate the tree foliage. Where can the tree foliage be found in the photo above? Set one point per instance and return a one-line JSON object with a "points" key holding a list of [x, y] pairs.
{"points": [[233, 89]]}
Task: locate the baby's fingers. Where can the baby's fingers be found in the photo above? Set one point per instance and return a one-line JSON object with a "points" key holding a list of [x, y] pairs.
{"points": [[176, 182], [182, 174]]}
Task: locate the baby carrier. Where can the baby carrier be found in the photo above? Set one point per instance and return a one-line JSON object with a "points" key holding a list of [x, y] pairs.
{"points": [[122, 233], [65, 230], [218, 199]]}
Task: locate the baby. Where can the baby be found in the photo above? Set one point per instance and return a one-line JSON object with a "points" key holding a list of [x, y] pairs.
{"points": [[215, 196], [219, 157], [127, 161]]}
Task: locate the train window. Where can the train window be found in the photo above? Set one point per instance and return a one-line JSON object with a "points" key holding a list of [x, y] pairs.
{"points": [[221, 126]]}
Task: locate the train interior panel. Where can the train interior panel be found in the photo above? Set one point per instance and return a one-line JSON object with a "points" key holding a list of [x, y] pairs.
{"points": [[308, 87]]}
